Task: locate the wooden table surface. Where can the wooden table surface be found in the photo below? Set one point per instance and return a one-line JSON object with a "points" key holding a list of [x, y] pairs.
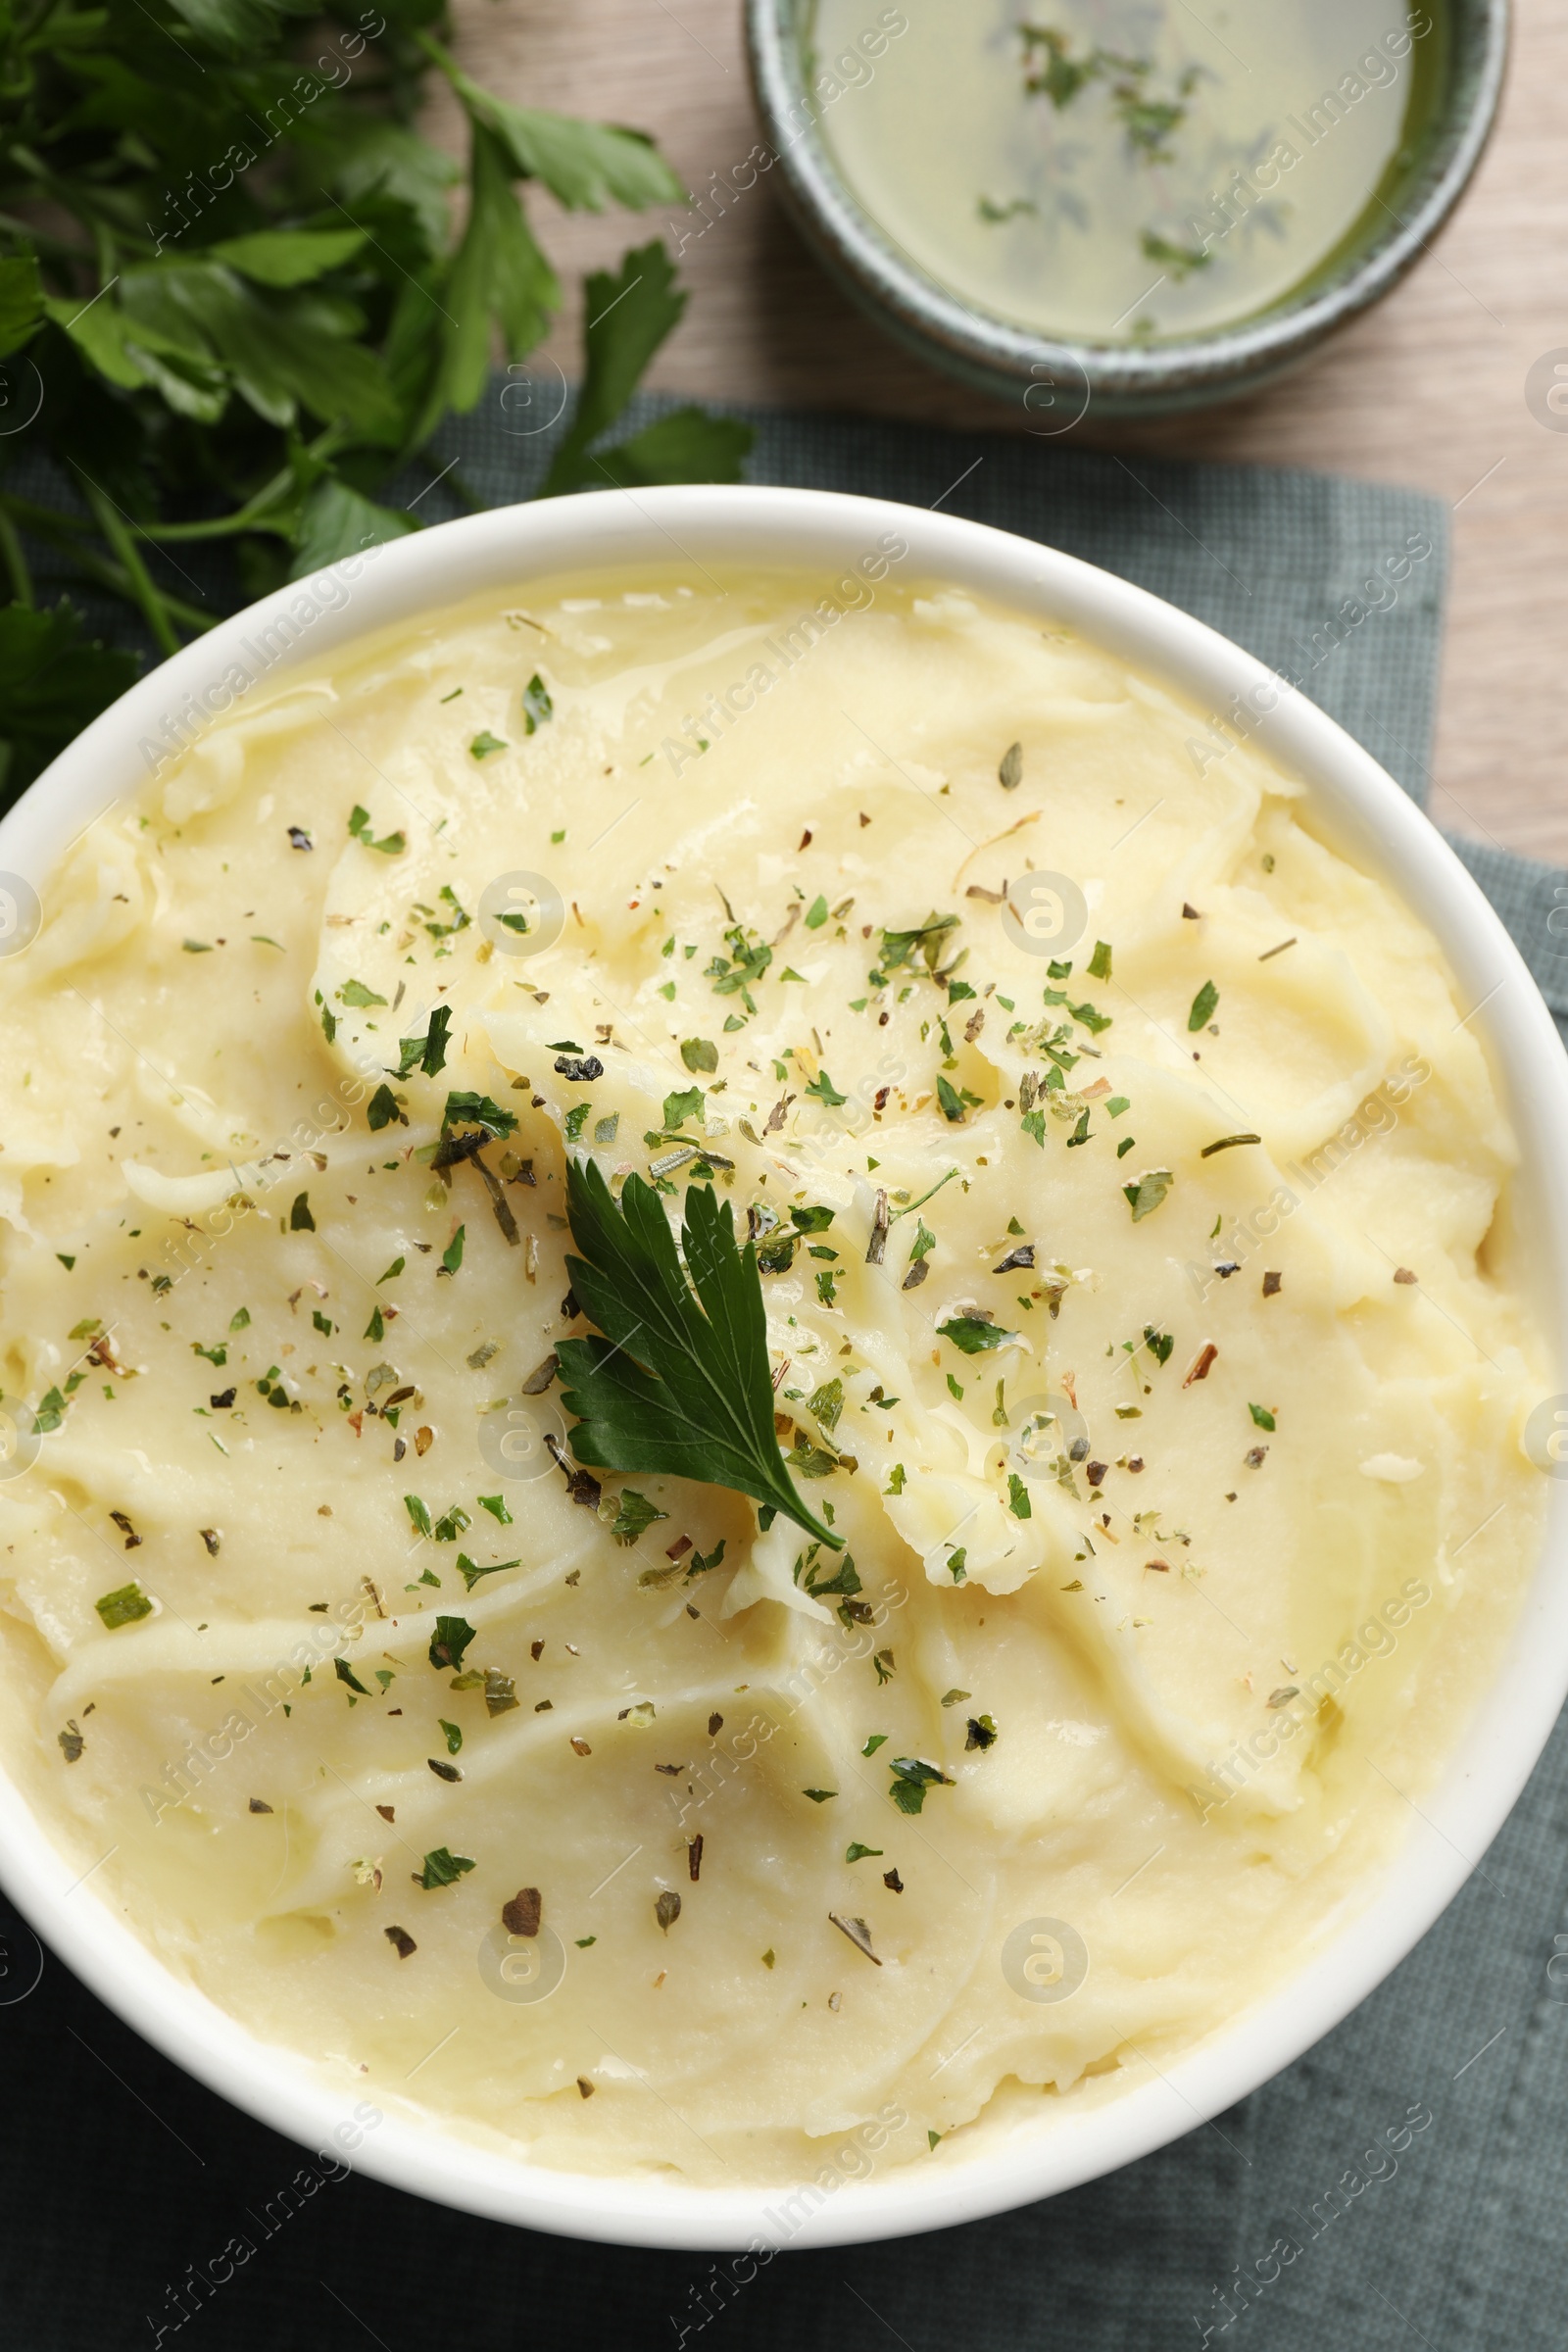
{"points": [[1428, 390]]}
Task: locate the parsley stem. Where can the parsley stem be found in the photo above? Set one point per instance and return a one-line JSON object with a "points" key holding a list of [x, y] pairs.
{"points": [[97, 567], [447, 62], [217, 526], [90, 566], [910, 1209], [155, 610], [52, 522], [114, 579], [253, 513], [16, 561], [67, 532]]}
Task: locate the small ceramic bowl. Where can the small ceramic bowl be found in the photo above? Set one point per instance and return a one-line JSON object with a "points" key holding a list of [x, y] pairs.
{"points": [[1061, 382], [302, 629]]}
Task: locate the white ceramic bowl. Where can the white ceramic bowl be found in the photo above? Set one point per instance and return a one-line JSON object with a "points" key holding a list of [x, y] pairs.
{"points": [[1373, 821]]}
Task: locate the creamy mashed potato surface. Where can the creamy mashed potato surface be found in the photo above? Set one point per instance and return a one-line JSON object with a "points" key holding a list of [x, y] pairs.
{"points": [[1141, 1307]]}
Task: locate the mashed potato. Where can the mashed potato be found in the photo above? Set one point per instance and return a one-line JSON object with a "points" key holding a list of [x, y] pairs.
{"points": [[1130, 1195]]}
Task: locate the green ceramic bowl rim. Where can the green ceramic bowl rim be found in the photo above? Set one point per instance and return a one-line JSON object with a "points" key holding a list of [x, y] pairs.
{"points": [[1060, 379]]}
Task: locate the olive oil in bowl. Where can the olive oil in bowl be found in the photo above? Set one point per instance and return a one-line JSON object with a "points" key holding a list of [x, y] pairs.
{"points": [[1128, 171]]}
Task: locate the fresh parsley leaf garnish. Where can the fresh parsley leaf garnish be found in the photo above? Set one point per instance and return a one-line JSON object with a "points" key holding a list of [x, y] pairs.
{"points": [[924, 945], [382, 1109], [391, 845], [631, 1515], [1145, 1195], [972, 1336], [679, 1107], [460, 919], [536, 705], [810, 1461], [748, 959], [442, 1868], [827, 1403], [776, 1254], [123, 1607], [678, 1383], [429, 1051], [811, 1218], [470, 1574], [479, 1110], [629, 315], [450, 1640], [911, 1780], [846, 1583]]}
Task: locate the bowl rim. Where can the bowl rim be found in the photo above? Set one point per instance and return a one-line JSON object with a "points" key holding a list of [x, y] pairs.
{"points": [[983, 348], [415, 578]]}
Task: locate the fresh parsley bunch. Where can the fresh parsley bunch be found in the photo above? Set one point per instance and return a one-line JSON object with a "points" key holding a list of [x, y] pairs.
{"points": [[234, 306]]}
